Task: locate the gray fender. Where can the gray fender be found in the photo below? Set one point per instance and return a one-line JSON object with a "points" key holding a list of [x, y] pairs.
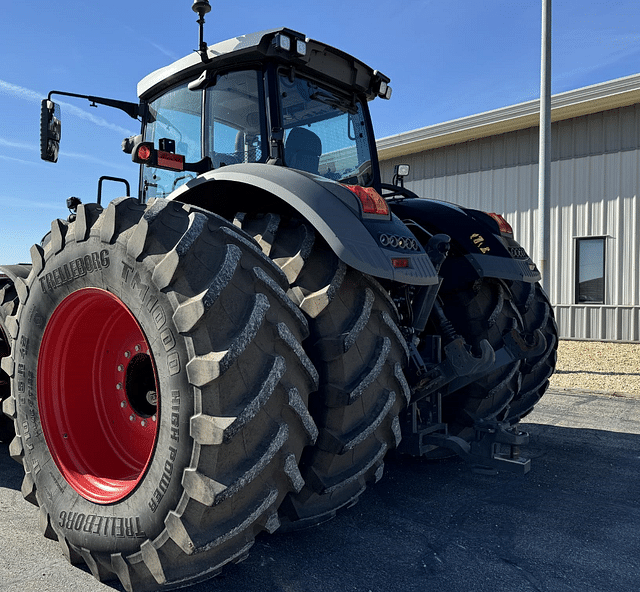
{"points": [[331, 209]]}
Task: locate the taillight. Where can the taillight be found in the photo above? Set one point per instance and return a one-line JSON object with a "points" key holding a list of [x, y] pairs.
{"points": [[144, 152], [400, 262], [505, 227], [372, 202], [169, 160]]}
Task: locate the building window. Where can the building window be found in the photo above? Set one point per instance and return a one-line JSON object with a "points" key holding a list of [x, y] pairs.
{"points": [[590, 270]]}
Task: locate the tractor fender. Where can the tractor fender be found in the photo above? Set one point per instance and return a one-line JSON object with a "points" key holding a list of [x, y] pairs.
{"points": [[330, 208], [475, 238]]}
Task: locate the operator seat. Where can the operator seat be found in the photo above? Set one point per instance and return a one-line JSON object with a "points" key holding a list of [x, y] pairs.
{"points": [[302, 150], [247, 146]]}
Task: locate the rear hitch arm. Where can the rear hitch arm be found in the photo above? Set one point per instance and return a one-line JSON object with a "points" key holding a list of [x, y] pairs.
{"points": [[461, 368], [459, 363], [495, 446], [515, 348]]}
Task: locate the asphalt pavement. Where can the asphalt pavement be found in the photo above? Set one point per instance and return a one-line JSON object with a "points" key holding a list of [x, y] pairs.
{"points": [[571, 524]]}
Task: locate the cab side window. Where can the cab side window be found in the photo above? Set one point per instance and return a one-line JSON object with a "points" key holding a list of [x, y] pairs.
{"points": [[235, 126]]}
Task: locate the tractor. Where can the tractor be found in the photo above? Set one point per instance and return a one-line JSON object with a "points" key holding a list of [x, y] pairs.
{"points": [[236, 348]]}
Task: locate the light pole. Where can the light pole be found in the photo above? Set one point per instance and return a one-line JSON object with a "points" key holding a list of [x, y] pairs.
{"points": [[544, 160]]}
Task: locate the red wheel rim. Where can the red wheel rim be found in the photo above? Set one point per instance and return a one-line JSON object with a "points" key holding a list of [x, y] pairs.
{"points": [[96, 386]]}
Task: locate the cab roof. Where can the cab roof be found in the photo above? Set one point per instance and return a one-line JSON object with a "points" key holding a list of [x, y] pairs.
{"points": [[320, 60]]}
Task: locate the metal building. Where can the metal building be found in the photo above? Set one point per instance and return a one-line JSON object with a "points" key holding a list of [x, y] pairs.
{"points": [[490, 162]]}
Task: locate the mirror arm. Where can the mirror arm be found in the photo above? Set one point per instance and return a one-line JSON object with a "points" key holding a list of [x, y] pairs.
{"points": [[133, 110]]}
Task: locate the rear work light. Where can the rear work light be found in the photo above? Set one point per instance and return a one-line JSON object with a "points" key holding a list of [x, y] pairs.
{"points": [[287, 44], [372, 202], [282, 42], [505, 227]]}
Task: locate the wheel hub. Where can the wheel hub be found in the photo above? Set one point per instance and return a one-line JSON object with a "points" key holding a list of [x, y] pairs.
{"points": [[136, 378], [97, 395]]}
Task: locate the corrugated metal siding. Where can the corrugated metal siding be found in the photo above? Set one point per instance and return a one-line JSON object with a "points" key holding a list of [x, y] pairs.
{"points": [[595, 184]]}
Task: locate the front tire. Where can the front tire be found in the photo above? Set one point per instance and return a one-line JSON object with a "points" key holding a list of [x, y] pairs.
{"points": [[160, 392]]}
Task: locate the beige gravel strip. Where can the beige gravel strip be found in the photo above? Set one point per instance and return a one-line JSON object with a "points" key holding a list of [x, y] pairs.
{"points": [[608, 367]]}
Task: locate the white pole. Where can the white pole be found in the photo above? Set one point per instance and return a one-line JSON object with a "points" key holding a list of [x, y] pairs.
{"points": [[544, 160]]}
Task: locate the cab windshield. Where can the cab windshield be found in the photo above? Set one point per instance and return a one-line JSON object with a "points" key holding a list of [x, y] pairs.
{"points": [[233, 130], [325, 133], [176, 115]]}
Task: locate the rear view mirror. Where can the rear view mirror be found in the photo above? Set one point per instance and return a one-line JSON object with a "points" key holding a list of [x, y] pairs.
{"points": [[50, 130]]}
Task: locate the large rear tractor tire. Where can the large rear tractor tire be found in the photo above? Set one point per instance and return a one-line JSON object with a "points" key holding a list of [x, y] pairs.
{"points": [[536, 313], [159, 392], [484, 309], [488, 309], [8, 305], [359, 352]]}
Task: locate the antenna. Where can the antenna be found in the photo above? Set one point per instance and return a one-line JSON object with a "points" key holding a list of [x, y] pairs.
{"points": [[202, 7]]}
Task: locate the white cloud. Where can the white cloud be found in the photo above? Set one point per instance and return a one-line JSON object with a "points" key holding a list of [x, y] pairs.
{"points": [[81, 114], [582, 51], [118, 165], [18, 145], [18, 160], [163, 50], [19, 91], [20, 204], [172, 56]]}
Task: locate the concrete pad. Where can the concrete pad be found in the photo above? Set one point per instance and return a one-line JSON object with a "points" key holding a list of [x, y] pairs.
{"points": [[571, 524]]}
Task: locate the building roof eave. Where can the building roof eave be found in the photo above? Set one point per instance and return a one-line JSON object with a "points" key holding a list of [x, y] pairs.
{"points": [[575, 103]]}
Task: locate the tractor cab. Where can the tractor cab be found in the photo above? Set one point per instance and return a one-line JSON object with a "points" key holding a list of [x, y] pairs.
{"points": [[274, 97]]}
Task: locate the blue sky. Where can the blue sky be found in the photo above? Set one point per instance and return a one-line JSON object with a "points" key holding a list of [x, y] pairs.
{"points": [[445, 60]]}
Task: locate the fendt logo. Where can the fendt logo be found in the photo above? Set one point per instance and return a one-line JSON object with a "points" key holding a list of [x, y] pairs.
{"points": [[518, 253], [399, 242]]}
